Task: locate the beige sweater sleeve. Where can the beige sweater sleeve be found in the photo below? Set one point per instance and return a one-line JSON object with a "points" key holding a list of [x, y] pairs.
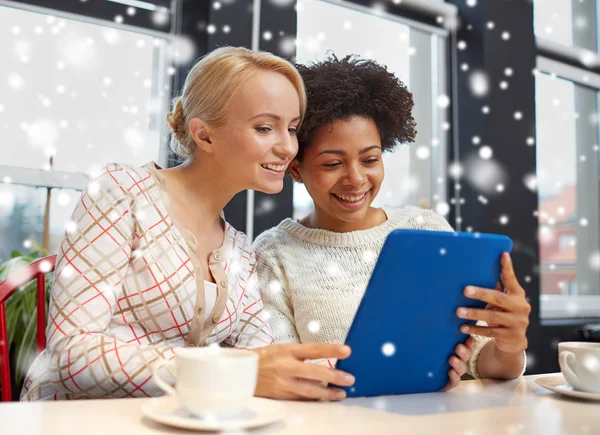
{"points": [[277, 300]]}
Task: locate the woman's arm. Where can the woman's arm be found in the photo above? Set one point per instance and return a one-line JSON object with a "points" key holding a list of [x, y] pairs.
{"points": [[93, 260], [277, 300]]}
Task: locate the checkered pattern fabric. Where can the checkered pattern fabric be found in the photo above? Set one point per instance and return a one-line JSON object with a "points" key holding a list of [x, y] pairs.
{"points": [[128, 290]]}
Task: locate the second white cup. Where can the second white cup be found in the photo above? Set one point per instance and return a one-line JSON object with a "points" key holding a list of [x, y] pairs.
{"points": [[209, 381], [580, 365]]}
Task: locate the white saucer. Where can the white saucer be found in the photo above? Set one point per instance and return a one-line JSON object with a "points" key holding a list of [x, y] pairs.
{"points": [[260, 412], [559, 385]]}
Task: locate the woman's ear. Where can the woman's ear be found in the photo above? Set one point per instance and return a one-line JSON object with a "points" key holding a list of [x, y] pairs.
{"points": [[295, 170], [200, 133]]}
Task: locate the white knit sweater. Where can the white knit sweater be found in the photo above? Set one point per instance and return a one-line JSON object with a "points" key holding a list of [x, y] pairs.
{"points": [[312, 280]]}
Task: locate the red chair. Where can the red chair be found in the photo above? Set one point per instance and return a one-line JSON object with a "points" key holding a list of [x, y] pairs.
{"points": [[36, 270]]}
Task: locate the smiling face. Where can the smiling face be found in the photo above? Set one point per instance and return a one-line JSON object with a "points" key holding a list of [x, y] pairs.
{"points": [[342, 170], [258, 140]]}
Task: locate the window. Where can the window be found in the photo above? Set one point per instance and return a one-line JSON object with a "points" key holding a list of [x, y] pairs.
{"points": [[413, 51], [567, 22], [568, 190], [74, 95]]}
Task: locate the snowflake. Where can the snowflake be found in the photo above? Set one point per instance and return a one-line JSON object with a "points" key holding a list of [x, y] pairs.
{"points": [[422, 152], [430, 374], [266, 315], [479, 83], [388, 349], [485, 152], [530, 141], [482, 199], [464, 67], [70, 226], [490, 25], [442, 208], [518, 116], [42, 133], [442, 251], [503, 85], [287, 45], [27, 244], [583, 222], [15, 81], [368, 256], [588, 58], [314, 326], [160, 18], [594, 260], [267, 36], [530, 180], [503, 219], [443, 101], [119, 19], [67, 271], [461, 45], [226, 28], [471, 3], [63, 198], [334, 269], [93, 187], [455, 170], [347, 25], [485, 110], [275, 286], [505, 36]]}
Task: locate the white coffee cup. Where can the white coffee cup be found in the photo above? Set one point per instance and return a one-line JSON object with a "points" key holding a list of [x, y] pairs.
{"points": [[580, 365], [211, 382]]}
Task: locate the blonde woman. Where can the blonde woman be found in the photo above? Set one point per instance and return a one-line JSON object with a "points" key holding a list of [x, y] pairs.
{"points": [[149, 263]]}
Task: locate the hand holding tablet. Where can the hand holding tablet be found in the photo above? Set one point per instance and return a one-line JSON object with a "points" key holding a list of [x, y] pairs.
{"points": [[406, 328]]}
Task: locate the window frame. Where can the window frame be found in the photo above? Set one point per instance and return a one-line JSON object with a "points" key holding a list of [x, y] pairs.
{"points": [[75, 180], [560, 61]]}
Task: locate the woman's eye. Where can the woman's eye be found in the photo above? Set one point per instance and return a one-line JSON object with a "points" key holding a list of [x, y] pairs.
{"points": [[331, 165], [263, 129], [293, 130], [371, 161]]}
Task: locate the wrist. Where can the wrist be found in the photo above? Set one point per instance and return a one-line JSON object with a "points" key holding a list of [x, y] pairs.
{"points": [[508, 356]]}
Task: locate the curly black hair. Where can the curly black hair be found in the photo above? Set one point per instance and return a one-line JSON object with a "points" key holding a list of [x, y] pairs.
{"points": [[352, 86]]}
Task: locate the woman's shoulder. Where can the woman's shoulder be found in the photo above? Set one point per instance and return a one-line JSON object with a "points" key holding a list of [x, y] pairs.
{"points": [[415, 218], [269, 241], [120, 178]]}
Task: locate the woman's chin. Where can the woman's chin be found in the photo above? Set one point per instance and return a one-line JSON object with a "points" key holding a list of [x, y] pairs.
{"points": [[270, 188]]}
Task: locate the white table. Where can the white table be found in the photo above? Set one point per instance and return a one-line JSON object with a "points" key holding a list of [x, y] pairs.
{"points": [[474, 408]]}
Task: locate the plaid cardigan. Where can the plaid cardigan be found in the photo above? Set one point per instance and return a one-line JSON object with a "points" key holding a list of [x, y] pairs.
{"points": [[129, 289]]}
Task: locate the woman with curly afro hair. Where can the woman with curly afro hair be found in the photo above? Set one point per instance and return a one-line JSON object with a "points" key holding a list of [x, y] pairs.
{"points": [[313, 272]]}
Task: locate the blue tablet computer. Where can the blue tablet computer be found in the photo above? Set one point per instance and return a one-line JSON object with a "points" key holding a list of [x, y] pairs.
{"points": [[406, 326]]}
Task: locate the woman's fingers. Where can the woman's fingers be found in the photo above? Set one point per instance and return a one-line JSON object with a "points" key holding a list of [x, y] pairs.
{"points": [[463, 351], [304, 370], [317, 350], [508, 276], [491, 317], [307, 390], [453, 380], [458, 365], [494, 298]]}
